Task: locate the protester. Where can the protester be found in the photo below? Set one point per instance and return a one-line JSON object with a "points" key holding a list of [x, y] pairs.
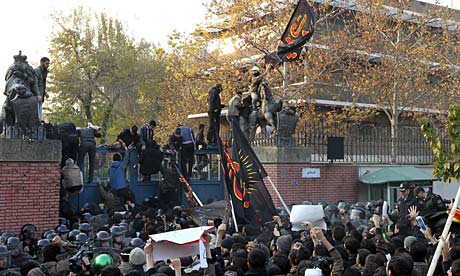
{"points": [[71, 177], [88, 146], [146, 133], [202, 160], [150, 160], [187, 151], [214, 110], [117, 175], [41, 73]]}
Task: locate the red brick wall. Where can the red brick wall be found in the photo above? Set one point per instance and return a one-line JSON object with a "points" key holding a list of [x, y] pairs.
{"points": [[336, 182], [29, 193]]}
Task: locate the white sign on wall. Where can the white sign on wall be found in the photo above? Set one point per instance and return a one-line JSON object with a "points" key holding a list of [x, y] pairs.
{"points": [[311, 173]]}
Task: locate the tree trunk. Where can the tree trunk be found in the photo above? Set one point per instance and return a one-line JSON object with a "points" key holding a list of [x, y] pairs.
{"points": [[394, 125], [87, 103], [394, 139], [105, 122]]}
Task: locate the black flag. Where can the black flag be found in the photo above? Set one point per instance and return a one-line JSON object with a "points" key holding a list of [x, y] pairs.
{"points": [[298, 31], [244, 178]]}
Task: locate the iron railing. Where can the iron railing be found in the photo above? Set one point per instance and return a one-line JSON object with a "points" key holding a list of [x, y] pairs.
{"points": [[362, 143]]}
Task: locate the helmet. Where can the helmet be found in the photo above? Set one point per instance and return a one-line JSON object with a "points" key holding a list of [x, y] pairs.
{"points": [[124, 226], [81, 238], [5, 253], [255, 68], [73, 234], [7, 235], [103, 236], [342, 205], [46, 233], [137, 242], [117, 231], [43, 242], [62, 229], [86, 216], [101, 261], [13, 242], [85, 228], [51, 236], [307, 202], [28, 230]]}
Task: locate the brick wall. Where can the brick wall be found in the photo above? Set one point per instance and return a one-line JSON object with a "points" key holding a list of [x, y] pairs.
{"points": [[336, 182], [29, 193]]}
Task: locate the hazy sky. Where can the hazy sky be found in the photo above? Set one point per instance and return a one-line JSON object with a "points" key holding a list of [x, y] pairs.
{"points": [[26, 25]]}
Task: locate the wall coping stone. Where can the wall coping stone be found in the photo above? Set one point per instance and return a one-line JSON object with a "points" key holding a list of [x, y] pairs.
{"points": [[15, 150]]}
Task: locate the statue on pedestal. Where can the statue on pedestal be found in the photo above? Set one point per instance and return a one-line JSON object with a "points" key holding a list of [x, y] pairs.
{"points": [[20, 110]]}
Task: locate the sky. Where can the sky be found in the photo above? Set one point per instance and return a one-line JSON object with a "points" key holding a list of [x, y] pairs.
{"points": [[29, 28]]}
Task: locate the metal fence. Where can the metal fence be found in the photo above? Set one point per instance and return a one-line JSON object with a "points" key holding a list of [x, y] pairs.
{"points": [[38, 133], [362, 143]]}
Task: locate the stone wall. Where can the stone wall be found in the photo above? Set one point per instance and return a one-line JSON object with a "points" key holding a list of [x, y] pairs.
{"points": [[29, 184]]}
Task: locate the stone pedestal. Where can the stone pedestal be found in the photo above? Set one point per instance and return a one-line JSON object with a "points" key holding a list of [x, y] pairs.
{"points": [[29, 183]]}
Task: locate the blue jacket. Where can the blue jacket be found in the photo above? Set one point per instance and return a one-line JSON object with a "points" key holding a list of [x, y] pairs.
{"points": [[187, 135], [117, 173]]}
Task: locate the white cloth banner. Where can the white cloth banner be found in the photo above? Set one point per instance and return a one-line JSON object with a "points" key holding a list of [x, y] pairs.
{"points": [[180, 243], [311, 213]]}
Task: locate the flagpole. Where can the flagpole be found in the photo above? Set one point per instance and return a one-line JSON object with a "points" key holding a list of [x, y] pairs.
{"points": [[437, 253], [285, 77], [278, 194], [233, 214]]}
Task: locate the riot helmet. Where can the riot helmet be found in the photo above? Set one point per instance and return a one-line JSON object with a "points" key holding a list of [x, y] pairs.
{"points": [[81, 238], [62, 229], [137, 242], [13, 242], [14, 246], [47, 232], [43, 242], [124, 226], [73, 234], [5, 257], [51, 236], [103, 239], [85, 228], [28, 231], [7, 235], [342, 205], [117, 231]]}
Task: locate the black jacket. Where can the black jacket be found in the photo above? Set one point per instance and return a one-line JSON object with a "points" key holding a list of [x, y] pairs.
{"points": [[256, 272], [404, 204], [150, 160], [433, 203], [214, 101]]}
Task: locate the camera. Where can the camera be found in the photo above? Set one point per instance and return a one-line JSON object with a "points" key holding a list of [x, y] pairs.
{"points": [[76, 262]]}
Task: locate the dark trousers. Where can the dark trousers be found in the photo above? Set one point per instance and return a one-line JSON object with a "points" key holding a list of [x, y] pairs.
{"points": [[90, 149], [69, 149], [186, 160], [214, 127]]}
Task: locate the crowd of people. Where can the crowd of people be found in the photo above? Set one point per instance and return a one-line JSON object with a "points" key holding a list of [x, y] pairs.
{"points": [[360, 239], [113, 238]]}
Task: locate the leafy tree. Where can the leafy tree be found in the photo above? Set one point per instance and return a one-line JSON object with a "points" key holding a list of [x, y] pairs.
{"points": [[446, 153], [101, 74], [401, 62]]}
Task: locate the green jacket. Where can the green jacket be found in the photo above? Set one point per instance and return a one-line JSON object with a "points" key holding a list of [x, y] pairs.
{"points": [[41, 74]]}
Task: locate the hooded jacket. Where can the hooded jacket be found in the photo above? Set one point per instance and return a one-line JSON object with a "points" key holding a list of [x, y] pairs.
{"points": [[117, 173]]}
